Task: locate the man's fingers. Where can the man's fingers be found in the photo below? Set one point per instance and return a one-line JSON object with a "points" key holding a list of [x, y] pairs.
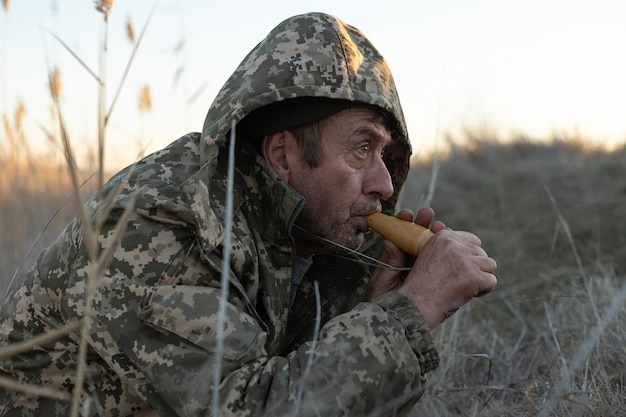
{"points": [[468, 237], [425, 216], [437, 226], [488, 265], [488, 284], [405, 214]]}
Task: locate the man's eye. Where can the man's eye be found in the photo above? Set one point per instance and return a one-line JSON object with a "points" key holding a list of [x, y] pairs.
{"points": [[363, 150]]}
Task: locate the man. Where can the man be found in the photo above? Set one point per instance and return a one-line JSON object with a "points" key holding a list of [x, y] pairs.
{"points": [[320, 143]]}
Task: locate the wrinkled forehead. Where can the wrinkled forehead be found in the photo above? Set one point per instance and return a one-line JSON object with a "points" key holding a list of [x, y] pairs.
{"points": [[367, 120]]}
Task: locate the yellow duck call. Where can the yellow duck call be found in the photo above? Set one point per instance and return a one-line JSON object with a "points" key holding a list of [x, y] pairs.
{"points": [[408, 236]]}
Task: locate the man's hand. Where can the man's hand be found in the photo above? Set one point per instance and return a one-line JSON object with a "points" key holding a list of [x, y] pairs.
{"points": [[449, 271]]}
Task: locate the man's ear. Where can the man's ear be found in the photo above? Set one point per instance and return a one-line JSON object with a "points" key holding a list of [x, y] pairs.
{"points": [[281, 151]]}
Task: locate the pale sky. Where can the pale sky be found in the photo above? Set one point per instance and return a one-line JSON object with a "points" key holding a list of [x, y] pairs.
{"points": [[534, 67]]}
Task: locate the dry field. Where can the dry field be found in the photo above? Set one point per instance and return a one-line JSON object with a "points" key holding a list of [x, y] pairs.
{"points": [[551, 340]]}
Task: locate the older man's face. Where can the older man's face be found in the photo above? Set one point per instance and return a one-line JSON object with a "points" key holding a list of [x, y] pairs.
{"points": [[347, 185]]}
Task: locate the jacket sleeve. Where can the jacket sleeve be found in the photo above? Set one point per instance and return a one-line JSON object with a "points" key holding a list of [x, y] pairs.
{"points": [[159, 335]]}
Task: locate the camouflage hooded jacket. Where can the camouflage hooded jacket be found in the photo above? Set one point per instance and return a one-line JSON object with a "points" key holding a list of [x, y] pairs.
{"points": [[152, 345]]}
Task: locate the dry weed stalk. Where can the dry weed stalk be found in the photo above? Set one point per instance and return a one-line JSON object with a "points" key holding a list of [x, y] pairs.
{"points": [[311, 357], [5, 4], [99, 262], [224, 279], [39, 340], [27, 345], [91, 227], [34, 390]]}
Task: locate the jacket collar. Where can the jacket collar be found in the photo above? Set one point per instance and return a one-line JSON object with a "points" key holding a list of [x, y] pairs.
{"points": [[270, 203]]}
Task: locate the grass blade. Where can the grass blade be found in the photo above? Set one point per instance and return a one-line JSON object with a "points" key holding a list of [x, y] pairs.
{"points": [[80, 61], [132, 57], [219, 350]]}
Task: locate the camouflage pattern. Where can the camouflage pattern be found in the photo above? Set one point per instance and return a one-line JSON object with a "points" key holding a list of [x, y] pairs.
{"points": [[152, 344]]}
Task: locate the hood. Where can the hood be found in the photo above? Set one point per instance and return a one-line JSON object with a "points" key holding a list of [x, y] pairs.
{"points": [[310, 55]]}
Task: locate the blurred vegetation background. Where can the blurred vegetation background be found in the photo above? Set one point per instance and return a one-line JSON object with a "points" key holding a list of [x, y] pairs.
{"points": [[551, 339]]}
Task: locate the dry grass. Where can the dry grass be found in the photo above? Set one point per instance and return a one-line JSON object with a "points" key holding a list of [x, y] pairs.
{"points": [[98, 260], [31, 194], [550, 341]]}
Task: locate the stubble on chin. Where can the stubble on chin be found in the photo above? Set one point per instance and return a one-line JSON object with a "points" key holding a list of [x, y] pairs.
{"points": [[346, 238], [336, 238]]}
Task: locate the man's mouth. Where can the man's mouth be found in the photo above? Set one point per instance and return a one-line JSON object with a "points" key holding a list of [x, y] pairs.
{"points": [[359, 216], [361, 226]]}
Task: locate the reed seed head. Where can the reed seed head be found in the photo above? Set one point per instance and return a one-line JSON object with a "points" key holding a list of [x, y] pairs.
{"points": [[130, 30], [145, 99], [104, 7], [55, 84], [20, 112]]}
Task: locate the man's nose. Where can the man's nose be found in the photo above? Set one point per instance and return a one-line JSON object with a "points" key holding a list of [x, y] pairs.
{"points": [[378, 180]]}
